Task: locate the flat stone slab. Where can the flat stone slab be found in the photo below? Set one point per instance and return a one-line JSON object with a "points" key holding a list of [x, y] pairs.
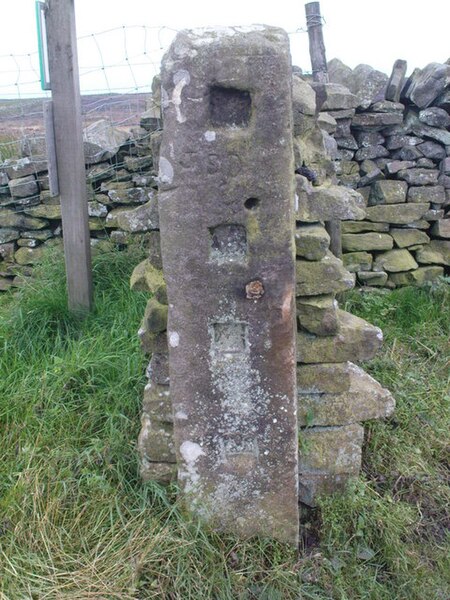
{"points": [[417, 277], [397, 214], [352, 242], [357, 340], [409, 237], [364, 398], [228, 256]]}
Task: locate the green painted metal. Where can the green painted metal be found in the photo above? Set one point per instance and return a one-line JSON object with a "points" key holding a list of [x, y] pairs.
{"points": [[42, 45]]}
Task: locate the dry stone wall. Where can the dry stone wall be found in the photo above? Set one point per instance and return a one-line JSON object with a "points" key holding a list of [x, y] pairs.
{"points": [[120, 192], [393, 139], [334, 395]]}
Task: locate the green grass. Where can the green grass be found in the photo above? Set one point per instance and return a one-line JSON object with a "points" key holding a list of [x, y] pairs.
{"points": [[76, 521], [9, 147]]}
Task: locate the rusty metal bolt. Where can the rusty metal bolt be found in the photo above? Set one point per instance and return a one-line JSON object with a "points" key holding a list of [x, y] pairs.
{"points": [[254, 290]]}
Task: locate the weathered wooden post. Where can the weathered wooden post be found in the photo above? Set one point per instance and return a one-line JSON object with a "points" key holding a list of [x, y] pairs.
{"points": [[226, 217], [316, 43], [68, 147], [320, 74]]}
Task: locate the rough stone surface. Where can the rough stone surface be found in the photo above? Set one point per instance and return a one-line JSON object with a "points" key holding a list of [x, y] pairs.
{"points": [[102, 141], [388, 192], [329, 456], [226, 96], [376, 121], [140, 219], [428, 84], [45, 211], [155, 316], [409, 237], [369, 85], [23, 187], [162, 472], [318, 314], [326, 276], [153, 343], [436, 252], [363, 399], [419, 176], [366, 241], [394, 166], [326, 122], [23, 167], [416, 277], [371, 152], [333, 96], [155, 440], [441, 228], [398, 214], [430, 193], [396, 80], [362, 226], [311, 241], [356, 340], [441, 136], [325, 203], [338, 72], [8, 235], [435, 117], [432, 150], [146, 278], [394, 261], [372, 278], [158, 369], [357, 261], [303, 98], [28, 256]]}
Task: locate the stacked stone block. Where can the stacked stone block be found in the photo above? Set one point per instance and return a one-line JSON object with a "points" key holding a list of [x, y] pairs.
{"points": [[334, 395], [394, 150]]}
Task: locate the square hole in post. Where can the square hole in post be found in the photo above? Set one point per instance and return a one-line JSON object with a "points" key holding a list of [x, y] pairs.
{"points": [[230, 337], [229, 107], [228, 243]]}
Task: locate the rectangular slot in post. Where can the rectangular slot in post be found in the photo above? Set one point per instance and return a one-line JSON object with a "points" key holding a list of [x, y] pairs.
{"points": [[229, 107], [228, 243], [230, 337]]}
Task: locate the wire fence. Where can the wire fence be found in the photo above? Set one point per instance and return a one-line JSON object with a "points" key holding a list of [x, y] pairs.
{"points": [[116, 69]]}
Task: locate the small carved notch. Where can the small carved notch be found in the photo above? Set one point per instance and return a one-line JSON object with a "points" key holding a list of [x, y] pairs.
{"points": [[230, 337], [228, 243], [240, 454], [229, 107]]}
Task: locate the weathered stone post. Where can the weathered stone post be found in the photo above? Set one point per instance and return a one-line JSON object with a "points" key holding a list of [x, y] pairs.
{"points": [[226, 217]]}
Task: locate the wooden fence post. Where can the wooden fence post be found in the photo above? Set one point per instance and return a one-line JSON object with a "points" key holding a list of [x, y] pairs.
{"points": [[65, 86], [320, 74], [316, 43]]}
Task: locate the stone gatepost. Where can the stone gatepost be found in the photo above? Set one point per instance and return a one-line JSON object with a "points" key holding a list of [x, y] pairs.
{"points": [[226, 218]]}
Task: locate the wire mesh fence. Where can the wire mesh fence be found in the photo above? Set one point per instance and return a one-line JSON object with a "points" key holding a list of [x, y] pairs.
{"points": [[116, 70]]}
